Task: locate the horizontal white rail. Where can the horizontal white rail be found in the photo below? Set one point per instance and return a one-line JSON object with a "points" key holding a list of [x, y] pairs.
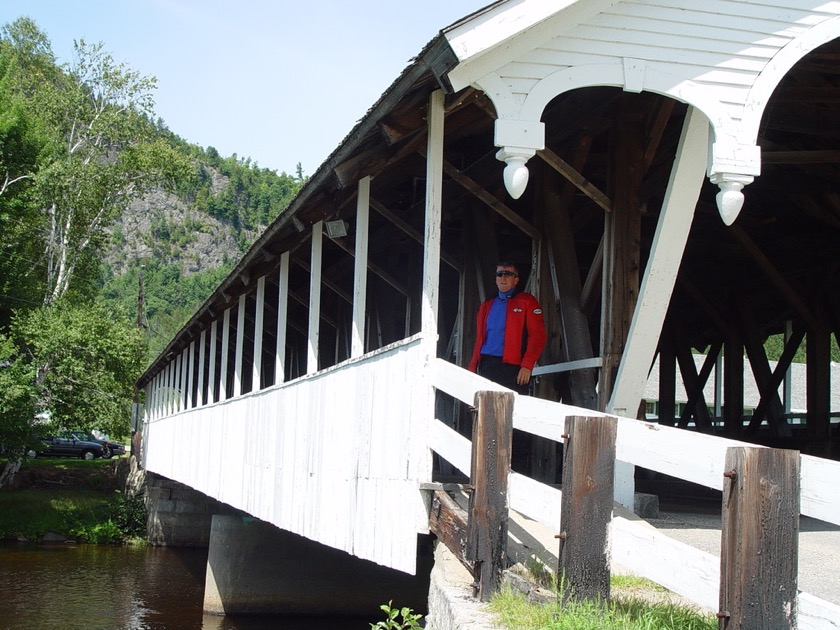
{"points": [[695, 457]]}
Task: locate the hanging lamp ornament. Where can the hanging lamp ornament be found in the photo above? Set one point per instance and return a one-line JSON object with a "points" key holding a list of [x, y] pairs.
{"points": [[730, 199], [516, 173]]}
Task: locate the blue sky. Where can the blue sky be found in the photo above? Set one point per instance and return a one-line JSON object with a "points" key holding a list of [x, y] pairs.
{"points": [[279, 81]]}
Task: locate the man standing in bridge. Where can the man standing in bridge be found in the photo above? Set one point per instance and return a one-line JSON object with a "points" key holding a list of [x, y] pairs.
{"points": [[510, 333]]}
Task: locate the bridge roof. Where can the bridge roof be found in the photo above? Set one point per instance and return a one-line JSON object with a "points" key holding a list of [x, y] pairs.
{"points": [[786, 242]]}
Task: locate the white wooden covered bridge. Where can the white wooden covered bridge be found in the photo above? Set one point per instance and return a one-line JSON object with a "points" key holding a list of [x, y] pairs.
{"points": [[667, 169]]}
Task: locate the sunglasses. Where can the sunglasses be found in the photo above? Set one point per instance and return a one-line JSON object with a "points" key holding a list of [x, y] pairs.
{"points": [[506, 274]]}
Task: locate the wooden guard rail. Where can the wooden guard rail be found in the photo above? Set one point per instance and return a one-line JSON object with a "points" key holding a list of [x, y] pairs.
{"points": [[760, 517]]}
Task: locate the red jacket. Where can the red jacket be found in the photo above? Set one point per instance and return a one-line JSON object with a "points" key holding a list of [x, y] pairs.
{"points": [[524, 317]]}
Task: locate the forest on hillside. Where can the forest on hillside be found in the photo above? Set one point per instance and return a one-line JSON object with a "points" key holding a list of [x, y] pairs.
{"points": [[96, 191]]}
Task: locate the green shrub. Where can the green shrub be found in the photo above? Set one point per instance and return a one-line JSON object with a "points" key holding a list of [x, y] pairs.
{"points": [[397, 619]]}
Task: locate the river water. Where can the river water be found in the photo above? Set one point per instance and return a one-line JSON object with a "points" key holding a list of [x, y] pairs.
{"points": [[100, 587]]}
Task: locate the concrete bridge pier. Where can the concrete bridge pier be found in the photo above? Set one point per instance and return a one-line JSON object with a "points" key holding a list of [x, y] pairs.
{"points": [[254, 568]]}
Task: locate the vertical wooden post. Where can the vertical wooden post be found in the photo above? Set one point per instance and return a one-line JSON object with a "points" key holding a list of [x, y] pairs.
{"points": [[434, 202], [488, 518], [759, 539], [201, 398], [586, 507], [240, 346], [191, 377], [315, 298], [223, 368], [212, 378], [357, 346], [282, 309], [259, 325]]}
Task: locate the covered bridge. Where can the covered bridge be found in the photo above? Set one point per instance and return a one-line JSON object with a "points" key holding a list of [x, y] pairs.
{"points": [[666, 169]]}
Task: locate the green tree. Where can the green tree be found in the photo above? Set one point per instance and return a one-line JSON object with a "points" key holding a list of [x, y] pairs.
{"points": [[85, 363], [17, 407], [22, 140], [103, 149]]}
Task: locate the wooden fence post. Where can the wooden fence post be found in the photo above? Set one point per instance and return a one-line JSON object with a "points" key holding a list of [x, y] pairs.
{"points": [[759, 539], [487, 530], [586, 507]]}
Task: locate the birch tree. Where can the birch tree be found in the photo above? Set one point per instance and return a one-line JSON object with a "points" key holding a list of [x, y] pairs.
{"points": [[105, 155], [102, 151]]}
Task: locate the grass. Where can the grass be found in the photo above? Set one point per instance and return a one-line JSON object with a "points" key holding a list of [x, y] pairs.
{"points": [[72, 497], [625, 612]]}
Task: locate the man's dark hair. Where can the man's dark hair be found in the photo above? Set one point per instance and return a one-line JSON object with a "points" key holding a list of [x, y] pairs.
{"points": [[505, 263]]}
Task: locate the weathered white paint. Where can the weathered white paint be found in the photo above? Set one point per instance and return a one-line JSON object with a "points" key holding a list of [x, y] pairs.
{"points": [[315, 297], [327, 456], [357, 344], [660, 276], [191, 375], [202, 357], [690, 572], [434, 203], [568, 366], [658, 281], [211, 372], [337, 457], [259, 319], [695, 457], [818, 488], [240, 345], [635, 544], [816, 614], [724, 58], [282, 307], [223, 368]]}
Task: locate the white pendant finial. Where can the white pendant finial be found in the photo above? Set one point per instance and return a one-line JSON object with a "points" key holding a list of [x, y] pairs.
{"points": [[516, 176], [730, 199]]}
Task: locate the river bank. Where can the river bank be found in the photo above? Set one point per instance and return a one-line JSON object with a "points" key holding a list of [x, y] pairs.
{"points": [[56, 500]]}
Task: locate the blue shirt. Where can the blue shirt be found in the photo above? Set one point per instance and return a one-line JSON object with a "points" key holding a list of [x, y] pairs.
{"points": [[494, 343]]}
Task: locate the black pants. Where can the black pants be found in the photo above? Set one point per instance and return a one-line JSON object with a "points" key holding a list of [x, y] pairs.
{"points": [[505, 374], [493, 369]]}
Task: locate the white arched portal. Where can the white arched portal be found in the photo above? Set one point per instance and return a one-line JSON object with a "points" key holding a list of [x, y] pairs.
{"points": [[733, 101]]}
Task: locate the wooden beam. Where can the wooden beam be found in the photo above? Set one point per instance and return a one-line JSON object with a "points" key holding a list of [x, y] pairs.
{"points": [[375, 269], [663, 115], [800, 157], [412, 233], [666, 253], [773, 274], [475, 188], [575, 178], [688, 370], [778, 375], [448, 521], [590, 293], [576, 340], [332, 286], [696, 397], [622, 250], [733, 387], [818, 378], [754, 345]]}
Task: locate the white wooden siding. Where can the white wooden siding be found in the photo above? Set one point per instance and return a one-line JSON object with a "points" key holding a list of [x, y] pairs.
{"points": [[722, 46], [336, 457]]}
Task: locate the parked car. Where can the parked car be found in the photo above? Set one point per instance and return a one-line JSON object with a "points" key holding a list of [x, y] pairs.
{"points": [[70, 446], [109, 449]]}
